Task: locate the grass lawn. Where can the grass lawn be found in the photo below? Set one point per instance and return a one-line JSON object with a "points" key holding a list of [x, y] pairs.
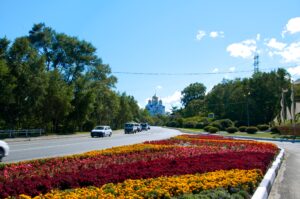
{"points": [[188, 130], [259, 134]]}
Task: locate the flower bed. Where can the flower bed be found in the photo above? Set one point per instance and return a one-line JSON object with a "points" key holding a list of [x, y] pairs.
{"points": [[179, 156], [165, 187]]}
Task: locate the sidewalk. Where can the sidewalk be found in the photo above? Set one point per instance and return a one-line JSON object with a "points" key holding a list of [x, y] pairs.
{"points": [[48, 137]]}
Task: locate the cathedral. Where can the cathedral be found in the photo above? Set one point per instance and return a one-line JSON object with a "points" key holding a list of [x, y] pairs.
{"points": [[155, 106]]}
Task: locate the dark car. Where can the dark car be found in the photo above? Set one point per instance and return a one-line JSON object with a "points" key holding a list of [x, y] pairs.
{"points": [[130, 128], [145, 126]]}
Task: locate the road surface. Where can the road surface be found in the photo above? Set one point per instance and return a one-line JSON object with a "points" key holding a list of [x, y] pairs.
{"points": [[41, 148], [287, 183]]}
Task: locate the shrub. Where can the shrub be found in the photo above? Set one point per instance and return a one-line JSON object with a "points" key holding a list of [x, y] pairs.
{"points": [[207, 128], [232, 129], [251, 130], [179, 122], [289, 130], [189, 124], [275, 130], [222, 124], [263, 127], [216, 124], [172, 124], [200, 125], [213, 129], [225, 123], [242, 128]]}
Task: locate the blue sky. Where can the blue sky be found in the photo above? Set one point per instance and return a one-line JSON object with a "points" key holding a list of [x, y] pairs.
{"points": [[170, 36]]}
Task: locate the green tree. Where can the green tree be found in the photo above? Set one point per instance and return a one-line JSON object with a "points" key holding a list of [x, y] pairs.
{"points": [[6, 85], [57, 103], [55, 81], [125, 113], [195, 91], [256, 99], [27, 70]]}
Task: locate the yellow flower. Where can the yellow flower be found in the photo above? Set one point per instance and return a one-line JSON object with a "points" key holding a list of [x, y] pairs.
{"points": [[161, 187]]}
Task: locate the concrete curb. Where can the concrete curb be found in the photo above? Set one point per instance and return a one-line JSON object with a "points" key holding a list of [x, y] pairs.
{"points": [[264, 188], [265, 139]]}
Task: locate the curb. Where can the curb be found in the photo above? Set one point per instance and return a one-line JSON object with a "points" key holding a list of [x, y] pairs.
{"points": [[264, 188], [266, 139], [245, 137]]}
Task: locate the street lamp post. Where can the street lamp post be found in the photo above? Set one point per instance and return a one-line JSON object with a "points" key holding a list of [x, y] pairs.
{"points": [[248, 118]]}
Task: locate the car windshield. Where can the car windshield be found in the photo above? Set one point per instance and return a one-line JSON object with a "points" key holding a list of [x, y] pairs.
{"points": [[144, 124], [128, 125], [99, 128]]}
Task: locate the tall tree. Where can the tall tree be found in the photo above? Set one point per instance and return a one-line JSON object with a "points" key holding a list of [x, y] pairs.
{"points": [[57, 104], [252, 100], [192, 92], [27, 68], [6, 85]]}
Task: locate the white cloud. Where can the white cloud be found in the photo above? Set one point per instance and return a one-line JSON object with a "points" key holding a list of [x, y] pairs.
{"points": [[176, 96], [215, 70], [232, 69], [291, 53], [200, 34], [257, 37], [215, 34], [159, 87], [273, 43], [271, 54], [244, 49], [172, 100], [294, 70], [140, 105], [292, 27]]}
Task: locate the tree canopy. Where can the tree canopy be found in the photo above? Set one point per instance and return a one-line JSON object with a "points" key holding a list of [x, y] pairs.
{"points": [[255, 100], [57, 82]]}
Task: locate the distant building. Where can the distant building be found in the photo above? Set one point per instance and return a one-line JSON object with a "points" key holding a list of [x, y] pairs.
{"points": [[155, 106]]}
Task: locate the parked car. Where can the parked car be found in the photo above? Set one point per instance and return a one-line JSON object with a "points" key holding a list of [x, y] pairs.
{"points": [[101, 131], [130, 128], [4, 149], [145, 126]]}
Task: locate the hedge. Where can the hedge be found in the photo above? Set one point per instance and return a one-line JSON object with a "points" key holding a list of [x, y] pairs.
{"points": [[243, 128], [232, 129], [213, 129], [263, 127], [251, 130]]}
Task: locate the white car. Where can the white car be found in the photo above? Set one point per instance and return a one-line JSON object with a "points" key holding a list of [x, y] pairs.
{"points": [[101, 131], [4, 149]]}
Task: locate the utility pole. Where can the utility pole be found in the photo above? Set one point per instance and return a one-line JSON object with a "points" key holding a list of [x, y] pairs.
{"points": [[256, 63]]}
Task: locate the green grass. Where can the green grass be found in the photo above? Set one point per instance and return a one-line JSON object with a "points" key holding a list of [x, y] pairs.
{"points": [[259, 134], [188, 130]]}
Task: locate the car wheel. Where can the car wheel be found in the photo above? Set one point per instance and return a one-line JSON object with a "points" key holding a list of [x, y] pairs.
{"points": [[1, 154], [110, 134]]}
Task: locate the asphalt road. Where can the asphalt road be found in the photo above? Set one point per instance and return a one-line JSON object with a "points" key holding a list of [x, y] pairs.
{"points": [[287, 182], [25, 149]]}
